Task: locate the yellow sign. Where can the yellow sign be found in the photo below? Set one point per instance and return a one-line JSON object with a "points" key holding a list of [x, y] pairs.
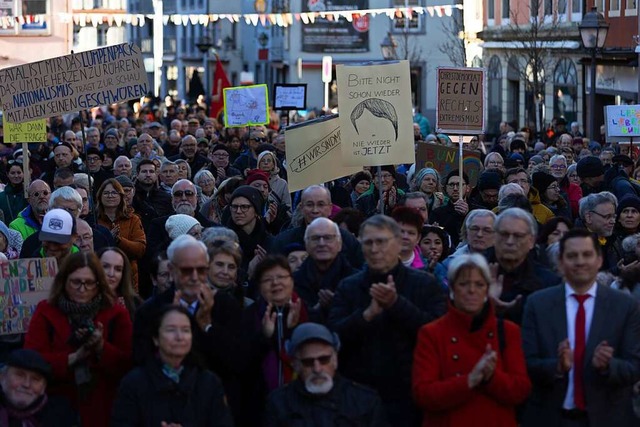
{"points": [[33, 131]]}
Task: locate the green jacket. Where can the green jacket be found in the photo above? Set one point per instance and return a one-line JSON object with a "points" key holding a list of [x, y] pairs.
{"points": [[12, 201], [25, 224]]}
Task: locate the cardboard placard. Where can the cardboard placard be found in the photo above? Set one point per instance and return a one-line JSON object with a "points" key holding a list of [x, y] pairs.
{"points": [[461, 100], [376, 121], [25, 282], [445, 159], [34, 131], [313, 153], [623, 121], [290, 96], [73, 82], [246, 105]]}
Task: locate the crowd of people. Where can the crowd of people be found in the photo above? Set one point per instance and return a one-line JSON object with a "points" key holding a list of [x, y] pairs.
{"points": [[194, 289]]}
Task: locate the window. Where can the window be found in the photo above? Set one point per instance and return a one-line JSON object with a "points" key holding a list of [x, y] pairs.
{"points": [[491, 10], [575, 8], [631, 8], [412, 24], [495, 95], [614, 8], [25, 8], [565, 90], [505, 9], [534, 7]]}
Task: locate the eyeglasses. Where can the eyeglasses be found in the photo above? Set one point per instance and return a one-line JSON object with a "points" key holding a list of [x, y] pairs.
{"points": [[386, 176], [93, 159], [553, 187], [380, 242], [608, 217], [558, 167], [494, 163], [328, 238], [241, 208], [260, 139], [271, 280], [179, 193], [188, 271], [77, 284], [110, 193], [476, 230], [43, 193], [309, 362]]}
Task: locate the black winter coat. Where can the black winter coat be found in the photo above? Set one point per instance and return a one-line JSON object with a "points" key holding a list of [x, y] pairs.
{"points": [[147, 397], [380, 353], [347, 405]]}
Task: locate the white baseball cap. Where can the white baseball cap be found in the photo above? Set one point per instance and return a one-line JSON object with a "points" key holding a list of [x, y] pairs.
{"points": [[58, 226]]}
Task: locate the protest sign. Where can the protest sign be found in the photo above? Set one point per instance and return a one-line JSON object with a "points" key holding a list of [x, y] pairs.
{"points": [[25, 282], [290, 96], [33, 131], [376, 125], [445, 159], [623, 122], [246, 106], [460, 105], [313, 153], [73, 82]]}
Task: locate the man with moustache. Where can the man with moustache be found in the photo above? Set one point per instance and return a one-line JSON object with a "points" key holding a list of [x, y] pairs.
{"points": [[320, 396], [29, 220]]}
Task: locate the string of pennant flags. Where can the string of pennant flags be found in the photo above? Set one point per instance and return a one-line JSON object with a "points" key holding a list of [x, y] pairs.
{"points": [[279, 19]]}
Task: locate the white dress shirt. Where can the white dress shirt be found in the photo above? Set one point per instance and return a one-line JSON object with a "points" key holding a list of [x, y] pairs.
{"points": [[571, 305]]}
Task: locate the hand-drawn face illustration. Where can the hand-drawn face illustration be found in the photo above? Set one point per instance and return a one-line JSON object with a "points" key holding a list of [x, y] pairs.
{"points": [[379, 108]]}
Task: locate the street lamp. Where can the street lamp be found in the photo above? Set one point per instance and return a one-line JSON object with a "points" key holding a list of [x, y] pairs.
{"points": [[203, 45], [388, 48], [593, 31]]}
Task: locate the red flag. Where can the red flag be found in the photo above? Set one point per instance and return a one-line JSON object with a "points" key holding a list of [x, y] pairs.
{"points": [[220, 81]]}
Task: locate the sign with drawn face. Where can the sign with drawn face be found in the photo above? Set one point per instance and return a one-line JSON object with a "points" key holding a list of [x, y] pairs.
{"points": [[376, 120], [246, 105]]}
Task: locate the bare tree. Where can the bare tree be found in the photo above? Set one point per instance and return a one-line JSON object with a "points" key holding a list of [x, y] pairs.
{"points": [[455, 45]]}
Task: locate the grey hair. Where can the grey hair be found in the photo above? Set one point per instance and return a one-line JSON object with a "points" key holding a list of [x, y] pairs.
{"points": [[202, 173], [416, 195], [589, 203], [459, 263], [511, 188], [68, 194], [381, 221], [182, 242], [630, 242], [557, 157], [325, 221], [211, 234], [181, 181], [478, 213], [572, 168], [181, 161], [490, 155], [168, 163], [517, 213], [82, 180]]}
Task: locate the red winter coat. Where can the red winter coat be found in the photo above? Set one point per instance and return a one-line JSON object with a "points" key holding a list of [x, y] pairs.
{"points": [[446, 353], [48, 334]]}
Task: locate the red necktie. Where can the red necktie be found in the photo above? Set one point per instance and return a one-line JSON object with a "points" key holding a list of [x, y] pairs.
{"points": [[578, 353]]}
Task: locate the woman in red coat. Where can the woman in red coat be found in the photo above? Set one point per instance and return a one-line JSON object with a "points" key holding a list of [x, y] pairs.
{"points": [[462, 374], [84, 336]]}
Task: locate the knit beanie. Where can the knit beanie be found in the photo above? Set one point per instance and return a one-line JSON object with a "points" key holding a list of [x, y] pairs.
{"points": [[489, 180], [257, 175], [542, 180], [112, 132], [590, 167], [125, 181], [386, 168], [424, 172], [219, 147], [179, 224], [628, 201], [360, 176], [253, 195]]}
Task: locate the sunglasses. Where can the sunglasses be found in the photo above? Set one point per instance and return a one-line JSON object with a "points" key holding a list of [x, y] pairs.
{"points": [[43, 193], [188, 193], [309, 362]]}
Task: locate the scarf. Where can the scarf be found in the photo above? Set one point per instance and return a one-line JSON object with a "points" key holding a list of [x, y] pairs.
{"points": [[27, 415]]}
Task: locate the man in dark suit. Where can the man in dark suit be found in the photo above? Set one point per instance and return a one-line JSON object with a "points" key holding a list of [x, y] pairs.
{"points": [[581, 342]]}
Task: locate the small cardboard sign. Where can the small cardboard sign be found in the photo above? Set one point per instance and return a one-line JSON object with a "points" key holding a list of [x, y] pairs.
{"points": [[445, 159], [246, 105], [25, 282], [623, 121], [460, 107], [290, 96], [34, 131]]}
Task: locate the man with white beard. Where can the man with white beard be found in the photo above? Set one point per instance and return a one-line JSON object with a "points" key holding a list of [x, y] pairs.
{"points": [[319, 396]]}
